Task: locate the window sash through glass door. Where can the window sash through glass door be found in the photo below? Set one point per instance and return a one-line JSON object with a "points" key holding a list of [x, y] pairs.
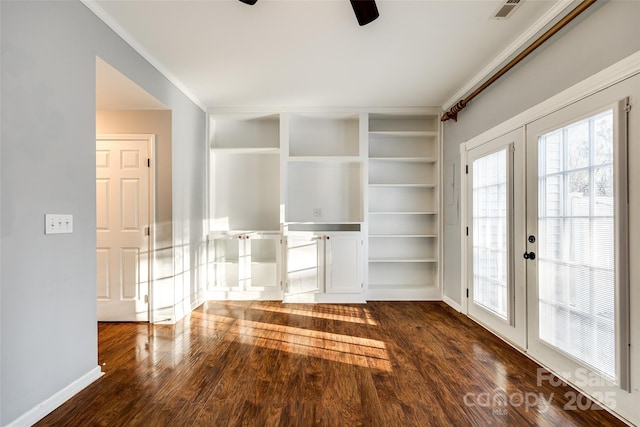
{"points": [[490, 225], [576, 248]]}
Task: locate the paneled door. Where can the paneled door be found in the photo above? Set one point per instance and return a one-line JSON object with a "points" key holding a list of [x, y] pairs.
{"points": [[122, 222], [494, 236]]}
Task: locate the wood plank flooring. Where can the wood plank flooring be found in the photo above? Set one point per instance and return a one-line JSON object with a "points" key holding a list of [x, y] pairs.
{"points": [[273, 364]]}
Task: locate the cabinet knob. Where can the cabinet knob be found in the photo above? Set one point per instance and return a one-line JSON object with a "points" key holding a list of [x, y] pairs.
{"points": [[327, 237], [240, 237]]}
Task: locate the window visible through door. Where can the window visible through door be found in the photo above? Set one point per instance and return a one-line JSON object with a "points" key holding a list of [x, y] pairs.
{"points": [[576, 241]]}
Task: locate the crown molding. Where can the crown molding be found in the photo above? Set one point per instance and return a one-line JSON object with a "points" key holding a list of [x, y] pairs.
{"points": [[519, 43], [93, 6]]}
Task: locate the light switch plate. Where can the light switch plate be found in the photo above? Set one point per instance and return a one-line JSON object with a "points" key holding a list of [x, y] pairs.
{"points": [[58, 224]]}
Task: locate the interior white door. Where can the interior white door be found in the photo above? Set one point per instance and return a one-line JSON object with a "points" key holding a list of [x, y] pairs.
{"points": [[496, 286], [122, 221]]}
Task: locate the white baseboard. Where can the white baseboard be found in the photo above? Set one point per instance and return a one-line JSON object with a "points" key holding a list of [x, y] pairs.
{"points": [[47, 406], [431, 293], [452, 304]]}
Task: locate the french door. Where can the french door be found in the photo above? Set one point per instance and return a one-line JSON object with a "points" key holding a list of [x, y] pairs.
{"points": [[548, 243], [577, 207], [495, 223]]}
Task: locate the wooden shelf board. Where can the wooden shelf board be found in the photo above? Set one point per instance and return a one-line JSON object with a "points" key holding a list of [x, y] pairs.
{"points": [[403, 260], [246, 150], [404, 159], [405, 133], [404, 213], [404, 185], [325, 159], [403, 235]]}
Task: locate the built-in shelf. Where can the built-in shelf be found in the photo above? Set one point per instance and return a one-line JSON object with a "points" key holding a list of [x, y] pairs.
{"points": [[404, 159], [404, 213], [381, 236], [246, 150], [340, 191], [404, 185], [402, 206], [403, 260], [324, 159], [407, 134]]}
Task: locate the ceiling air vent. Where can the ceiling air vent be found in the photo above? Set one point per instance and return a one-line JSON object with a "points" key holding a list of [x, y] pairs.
{"points": [[506, 9]]}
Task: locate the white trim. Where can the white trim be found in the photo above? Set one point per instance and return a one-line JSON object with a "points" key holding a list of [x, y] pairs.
{"points": [[93, 6], [510, 50], [353, 110], [617, 72], [451, 303], [48, 405], [464, 301]]}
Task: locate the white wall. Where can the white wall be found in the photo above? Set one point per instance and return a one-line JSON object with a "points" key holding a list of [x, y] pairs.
{"points": [[47, 283], [606, 35]]}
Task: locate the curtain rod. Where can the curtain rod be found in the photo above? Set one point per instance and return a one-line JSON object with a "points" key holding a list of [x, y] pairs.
{"points": [[453, 111]]}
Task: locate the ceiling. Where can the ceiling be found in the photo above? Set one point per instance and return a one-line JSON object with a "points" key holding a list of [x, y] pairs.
{"points": [[114, 91], [312, 53]]}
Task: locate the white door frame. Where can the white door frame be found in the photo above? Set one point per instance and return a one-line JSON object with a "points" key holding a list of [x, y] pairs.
{"points": [[151, 139], [513, 329]]}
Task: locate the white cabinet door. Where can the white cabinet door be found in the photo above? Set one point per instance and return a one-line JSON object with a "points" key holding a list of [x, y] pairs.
{"points": [[324, 262], [261, 254], [304, 263], [225, 263], [343, 254]]}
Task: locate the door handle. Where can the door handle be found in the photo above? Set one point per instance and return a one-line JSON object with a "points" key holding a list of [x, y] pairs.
{"points": [[529, 255]]}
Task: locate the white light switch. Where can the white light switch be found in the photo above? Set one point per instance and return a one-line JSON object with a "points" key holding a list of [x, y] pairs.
{"points": [[58, 224]]}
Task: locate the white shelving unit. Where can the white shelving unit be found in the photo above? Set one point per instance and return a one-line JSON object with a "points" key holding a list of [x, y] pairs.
{"points": [[403, 206], [324, 207], [244, 242], [324, 164]]}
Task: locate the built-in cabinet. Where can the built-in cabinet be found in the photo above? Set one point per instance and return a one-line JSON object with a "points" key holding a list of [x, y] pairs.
{"points": [[244, 265], [324, 207], [320, 265]]}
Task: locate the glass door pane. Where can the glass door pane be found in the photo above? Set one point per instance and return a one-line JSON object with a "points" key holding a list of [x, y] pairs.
{"points": [[495, 231], [576, 256], [490, 233]]}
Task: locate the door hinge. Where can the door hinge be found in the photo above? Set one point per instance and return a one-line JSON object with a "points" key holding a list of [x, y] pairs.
{"points": [[467, 292], [146, 299], [147, 231], [148, 163], [466, 169], [467, 231]]}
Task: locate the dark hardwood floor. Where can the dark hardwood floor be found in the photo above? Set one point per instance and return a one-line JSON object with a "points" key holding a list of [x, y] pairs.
{"points": [[270, 364]]}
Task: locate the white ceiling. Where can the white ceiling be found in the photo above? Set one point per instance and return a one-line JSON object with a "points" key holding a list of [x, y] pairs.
{"points": [[312, 53], [114, 91]]}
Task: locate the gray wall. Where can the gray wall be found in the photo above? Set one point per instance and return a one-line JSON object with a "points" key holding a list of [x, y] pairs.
{"points": [[603, 37], [47, 155]]}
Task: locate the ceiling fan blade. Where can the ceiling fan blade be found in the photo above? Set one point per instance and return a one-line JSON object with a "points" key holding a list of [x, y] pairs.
{"points": [[251, 2], [366, 10]]}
